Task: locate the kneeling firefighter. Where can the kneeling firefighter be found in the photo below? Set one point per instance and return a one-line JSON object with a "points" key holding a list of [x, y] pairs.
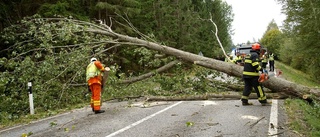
{"points": [[251, 75], [94, 77]]}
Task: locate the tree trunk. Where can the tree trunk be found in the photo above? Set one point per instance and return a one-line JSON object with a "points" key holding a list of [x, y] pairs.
{"points": [[275, 84], [104, 80], [229, 95], [147, 75]]}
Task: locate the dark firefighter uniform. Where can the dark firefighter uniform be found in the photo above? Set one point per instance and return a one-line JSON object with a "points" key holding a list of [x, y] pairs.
{"points": [[250, 76]]}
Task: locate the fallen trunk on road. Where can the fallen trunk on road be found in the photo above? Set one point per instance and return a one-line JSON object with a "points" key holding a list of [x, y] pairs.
{"points": [[150, 74], [274, 84], [220, 96]]}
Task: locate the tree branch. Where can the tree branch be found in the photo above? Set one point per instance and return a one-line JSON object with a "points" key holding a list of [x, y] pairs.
{"points": [[150, 74]]}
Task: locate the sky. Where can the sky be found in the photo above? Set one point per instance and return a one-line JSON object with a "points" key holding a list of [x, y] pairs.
{"points": [[252, 17]]}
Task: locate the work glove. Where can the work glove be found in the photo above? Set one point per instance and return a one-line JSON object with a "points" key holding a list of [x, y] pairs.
{"points": [[107, 69]]}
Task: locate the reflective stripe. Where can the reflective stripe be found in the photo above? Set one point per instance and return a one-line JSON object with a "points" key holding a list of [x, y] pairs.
{"points": [[250, 73], [96, 103], [262, 98], [259, 68], [237, 59], [255, 63], [260, 91], [248, 61], [244, 97]]}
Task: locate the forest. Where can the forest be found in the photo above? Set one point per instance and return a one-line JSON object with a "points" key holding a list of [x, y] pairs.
{"points": [[44, 42]]}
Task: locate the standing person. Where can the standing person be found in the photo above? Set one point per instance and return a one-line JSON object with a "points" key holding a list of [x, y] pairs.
{"points": [[251, 75], [237, 59], [264, 61], [271, 61], [94, 74]]}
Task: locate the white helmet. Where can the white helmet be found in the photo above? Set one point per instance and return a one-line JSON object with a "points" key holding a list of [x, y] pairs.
{"points": [[93, 59]]}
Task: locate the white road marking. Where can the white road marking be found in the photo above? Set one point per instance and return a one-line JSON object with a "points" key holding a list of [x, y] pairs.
{"points": [[249, 117], [208, 103], [142, 120], [273, 118]]}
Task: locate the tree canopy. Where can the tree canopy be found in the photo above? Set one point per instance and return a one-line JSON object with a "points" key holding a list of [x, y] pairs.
{"points": [[272, 38], [37, 46], [301, 34]]}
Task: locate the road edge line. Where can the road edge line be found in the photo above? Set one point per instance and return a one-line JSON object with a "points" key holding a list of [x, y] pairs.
{"points": [[273, 118]]}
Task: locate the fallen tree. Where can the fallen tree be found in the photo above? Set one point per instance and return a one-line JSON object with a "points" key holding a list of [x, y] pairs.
{"points": [[211, 96], [275, 84]]}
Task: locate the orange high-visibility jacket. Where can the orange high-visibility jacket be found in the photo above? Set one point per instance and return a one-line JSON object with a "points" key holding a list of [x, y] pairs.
{"points": [[93, 73]]}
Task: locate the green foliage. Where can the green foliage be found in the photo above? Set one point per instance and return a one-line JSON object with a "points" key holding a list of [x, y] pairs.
{"points": [[145, 56], [184, 24], [39, 54], [190, 81], [301, 31], [272, 40], [189, 124], [73, 8], [304, 117], [53, 123], [297, 76], [53, 52]]}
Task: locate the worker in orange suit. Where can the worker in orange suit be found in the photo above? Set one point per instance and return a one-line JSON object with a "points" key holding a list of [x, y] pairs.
{"points": [[94, 75]]}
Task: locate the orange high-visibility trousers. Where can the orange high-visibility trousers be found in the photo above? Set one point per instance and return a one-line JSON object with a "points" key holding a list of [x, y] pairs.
{"points": [[95, 96]]}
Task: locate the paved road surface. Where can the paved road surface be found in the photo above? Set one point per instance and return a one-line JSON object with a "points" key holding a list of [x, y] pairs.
{"points": [[209, 118]]}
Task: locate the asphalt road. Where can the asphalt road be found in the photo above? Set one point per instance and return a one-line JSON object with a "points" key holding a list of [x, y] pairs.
{"points": [[207, 118]]}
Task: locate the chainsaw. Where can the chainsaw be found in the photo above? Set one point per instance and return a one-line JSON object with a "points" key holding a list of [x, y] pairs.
{"points": [[263, 76]]}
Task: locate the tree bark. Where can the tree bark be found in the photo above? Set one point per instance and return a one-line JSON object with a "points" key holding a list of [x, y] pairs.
{"points": [[147, 75], [229, 95], [275, 84], [104, 79]]}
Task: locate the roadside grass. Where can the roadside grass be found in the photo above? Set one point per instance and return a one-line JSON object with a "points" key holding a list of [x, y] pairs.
{"points": [[303, 117], [296, 76], [27, 119]]}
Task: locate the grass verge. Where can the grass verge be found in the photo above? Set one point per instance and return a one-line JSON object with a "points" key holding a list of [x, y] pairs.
{"points": [[303, 117], [296, 76]]}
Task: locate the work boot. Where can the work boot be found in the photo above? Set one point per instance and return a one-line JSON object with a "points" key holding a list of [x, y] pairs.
{"points": [[99, 111], [268, 103], [246, 103]]}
